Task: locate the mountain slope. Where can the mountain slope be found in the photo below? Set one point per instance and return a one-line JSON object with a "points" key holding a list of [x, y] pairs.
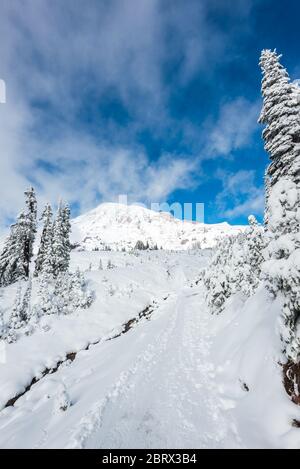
{"points": [[120, 226]]}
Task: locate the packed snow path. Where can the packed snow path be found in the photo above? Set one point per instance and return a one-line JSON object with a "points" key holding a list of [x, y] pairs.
{"points": [[155, 385], [167, 397]]}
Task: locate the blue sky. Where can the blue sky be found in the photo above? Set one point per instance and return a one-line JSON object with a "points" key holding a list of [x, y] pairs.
{"points": [[157, 99]]}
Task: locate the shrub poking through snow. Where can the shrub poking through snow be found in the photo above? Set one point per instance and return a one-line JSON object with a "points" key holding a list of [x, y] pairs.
{"points": [[235, 267], [61, 401], [110, 265]]}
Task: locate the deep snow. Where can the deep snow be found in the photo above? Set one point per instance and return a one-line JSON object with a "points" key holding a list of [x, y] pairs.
{"points": [[183, 378]]}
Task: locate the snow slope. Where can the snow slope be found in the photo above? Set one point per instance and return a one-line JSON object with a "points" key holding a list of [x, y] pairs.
{"points": [[120, 226], [183, 378]]}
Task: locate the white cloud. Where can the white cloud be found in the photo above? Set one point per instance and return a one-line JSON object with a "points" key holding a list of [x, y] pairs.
{"points": [[87, 172], [234, 128], [240, 196], [54, 54]]}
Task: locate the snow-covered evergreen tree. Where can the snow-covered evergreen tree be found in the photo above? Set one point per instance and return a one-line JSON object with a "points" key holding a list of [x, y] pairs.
{"points": [[61, 240], [67, 232], [18, 317], [63, 294], [81, 296], [281, 115], [18, 248], [30, 226], [236, 266], [13, 263], [140, 246], [2, 325], [27, 312], [44, 257], [71, 292], [46, 298]]}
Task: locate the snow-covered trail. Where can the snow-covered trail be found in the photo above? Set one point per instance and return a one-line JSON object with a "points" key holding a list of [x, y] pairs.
{"points": [[152, 387], [180, 378], [169, 399]]}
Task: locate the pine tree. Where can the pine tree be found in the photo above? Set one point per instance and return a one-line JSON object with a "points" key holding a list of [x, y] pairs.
{"points": [[61, 240], [71, 292], [44, 257], [236, 266], [2, 325], [26, 306], [18, 317], [58, 243], [100, 266], [67, 232], [140, 246], [30, 227], [81, 296], [47, 301], [18, 248], [13, 263], [281, 115], [63, 294]]}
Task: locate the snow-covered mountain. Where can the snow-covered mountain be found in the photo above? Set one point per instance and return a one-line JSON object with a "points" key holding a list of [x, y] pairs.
{"points": [[118, 226]]}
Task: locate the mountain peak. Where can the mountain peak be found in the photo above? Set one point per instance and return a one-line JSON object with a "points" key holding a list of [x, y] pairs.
{"points": [[117, 226]]}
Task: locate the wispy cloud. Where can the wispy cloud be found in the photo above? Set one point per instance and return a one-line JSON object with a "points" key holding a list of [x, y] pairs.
{"points": [[62, 59], [234, 128], [240, 195]]}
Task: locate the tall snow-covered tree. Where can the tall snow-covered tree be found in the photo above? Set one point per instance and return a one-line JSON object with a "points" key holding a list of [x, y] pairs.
{"points": [[30, 226], [67, 232], [45, 247], [13, 262], [61, 240], [18, 248], [281, 116]]}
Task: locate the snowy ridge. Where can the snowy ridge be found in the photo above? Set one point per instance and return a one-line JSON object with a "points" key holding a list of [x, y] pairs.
{"points": [[119, 227]]}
